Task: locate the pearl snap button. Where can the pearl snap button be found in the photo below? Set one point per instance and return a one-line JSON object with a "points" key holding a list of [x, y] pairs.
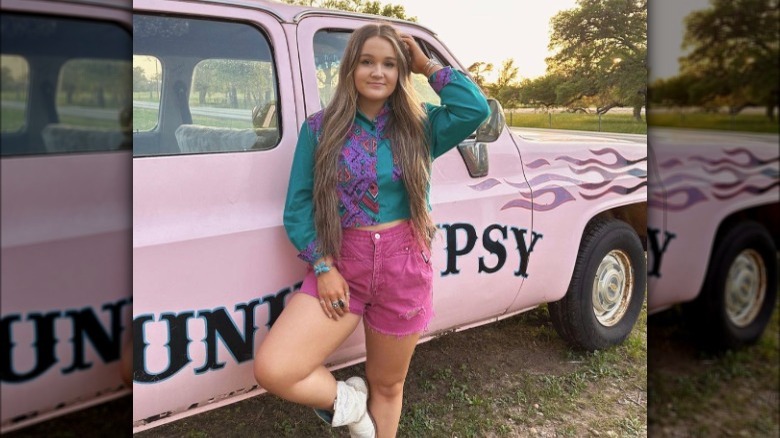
{"points": [[376, 236]]}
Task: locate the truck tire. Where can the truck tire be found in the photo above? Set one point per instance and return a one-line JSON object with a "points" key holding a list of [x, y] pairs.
{"points": [[607, 288], [739, 290]]}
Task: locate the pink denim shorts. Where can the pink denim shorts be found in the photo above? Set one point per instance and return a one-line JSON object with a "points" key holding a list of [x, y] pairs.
{"points": [[390, 279]]}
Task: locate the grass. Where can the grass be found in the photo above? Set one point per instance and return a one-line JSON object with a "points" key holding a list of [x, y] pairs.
{"points": [[620, 123], [482, 397], [716, 121], [515, 377], [707, 394], [90, 122], [145, 119], [11, 119]]}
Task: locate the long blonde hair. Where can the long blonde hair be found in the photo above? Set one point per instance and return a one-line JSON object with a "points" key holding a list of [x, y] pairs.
{"points": [[406, 129]]}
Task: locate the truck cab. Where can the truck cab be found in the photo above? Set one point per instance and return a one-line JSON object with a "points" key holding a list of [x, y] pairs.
{"points": [[222, 89]]}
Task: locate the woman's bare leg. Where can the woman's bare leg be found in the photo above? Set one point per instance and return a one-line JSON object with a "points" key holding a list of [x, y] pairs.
{"points": [[387, 362], [289, 362]]}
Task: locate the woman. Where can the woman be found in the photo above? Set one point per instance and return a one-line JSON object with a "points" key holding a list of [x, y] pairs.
{"points": [[357, 209]]}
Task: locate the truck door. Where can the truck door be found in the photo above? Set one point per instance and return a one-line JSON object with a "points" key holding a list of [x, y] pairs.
{"points": [[214, 129]]}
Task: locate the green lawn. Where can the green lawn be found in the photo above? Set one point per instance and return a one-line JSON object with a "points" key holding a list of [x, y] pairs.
{"points": [[621, 123], [89, 122], [700, 120], [11, 119], [144, 119]]}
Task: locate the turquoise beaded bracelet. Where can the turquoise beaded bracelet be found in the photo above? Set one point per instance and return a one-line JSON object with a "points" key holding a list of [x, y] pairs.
{"points": [[321, 268]]}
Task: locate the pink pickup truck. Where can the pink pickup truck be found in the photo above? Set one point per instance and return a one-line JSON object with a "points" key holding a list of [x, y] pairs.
{"points": [[220, 90], [713, 231]]}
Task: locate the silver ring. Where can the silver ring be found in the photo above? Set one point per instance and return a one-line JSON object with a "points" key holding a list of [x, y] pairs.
{"points": [[341, 303], [335, 304]]}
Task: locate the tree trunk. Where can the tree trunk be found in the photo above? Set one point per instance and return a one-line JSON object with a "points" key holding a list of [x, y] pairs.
{"points": [[603, 110], [638, 113]]}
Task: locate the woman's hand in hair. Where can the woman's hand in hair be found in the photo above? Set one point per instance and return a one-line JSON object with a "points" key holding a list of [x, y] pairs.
{"points": [[331, 287], [419, 60]]}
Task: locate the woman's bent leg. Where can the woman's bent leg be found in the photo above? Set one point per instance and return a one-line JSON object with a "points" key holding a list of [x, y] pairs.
{"points": [[387, 362], [289, 362]]}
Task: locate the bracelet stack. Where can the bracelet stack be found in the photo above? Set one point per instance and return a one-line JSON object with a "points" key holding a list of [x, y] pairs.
{"points": [[431, 64], [321, 268]]}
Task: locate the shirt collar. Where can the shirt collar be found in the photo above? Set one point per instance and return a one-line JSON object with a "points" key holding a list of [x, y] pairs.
{"points": [[381, 117]]}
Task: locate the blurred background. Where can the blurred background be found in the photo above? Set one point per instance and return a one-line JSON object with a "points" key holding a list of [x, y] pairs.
{"points": [[712, 218], [65, 108]]}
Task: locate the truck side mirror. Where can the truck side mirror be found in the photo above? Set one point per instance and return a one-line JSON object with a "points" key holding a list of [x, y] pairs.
{"points": [[491, 128]]}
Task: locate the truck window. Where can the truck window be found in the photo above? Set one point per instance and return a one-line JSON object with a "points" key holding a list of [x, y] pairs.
{"points": [[65, 85], [15, 84], [147, 83], [329, 45], [202, 86], [93, 92]]}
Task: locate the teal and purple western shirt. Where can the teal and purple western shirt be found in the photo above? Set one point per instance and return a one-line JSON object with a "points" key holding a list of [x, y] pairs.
{"points": [[370, 184]]}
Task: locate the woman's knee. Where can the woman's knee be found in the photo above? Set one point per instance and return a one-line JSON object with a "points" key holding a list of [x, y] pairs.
{"points": [[386, 388], [272, 373]]}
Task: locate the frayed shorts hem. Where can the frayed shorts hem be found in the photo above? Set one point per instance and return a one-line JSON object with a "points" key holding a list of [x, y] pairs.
{"points": [[399, 333]]}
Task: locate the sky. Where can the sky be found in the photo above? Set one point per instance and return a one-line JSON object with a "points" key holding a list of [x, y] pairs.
{"points": [[491, 30], [665, 34], [494, 30]]}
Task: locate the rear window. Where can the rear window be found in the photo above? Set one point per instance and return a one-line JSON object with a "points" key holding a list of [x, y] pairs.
{"points": [[66, 85], [202, 86]]}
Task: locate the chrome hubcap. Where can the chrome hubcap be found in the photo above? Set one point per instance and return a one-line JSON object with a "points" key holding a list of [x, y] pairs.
{"points": [[745, 287], [612, 287]]}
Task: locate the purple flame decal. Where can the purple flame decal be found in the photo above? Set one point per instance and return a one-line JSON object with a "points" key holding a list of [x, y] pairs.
{"points": [[561, 196], [755, 190], [620, 161], [486, 184], [752, 160], [538, 163], [616, 189], [692, 196], [674, 162]]}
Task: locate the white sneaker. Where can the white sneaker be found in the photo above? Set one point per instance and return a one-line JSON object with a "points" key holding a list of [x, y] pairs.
{"points": [[363, 426]]}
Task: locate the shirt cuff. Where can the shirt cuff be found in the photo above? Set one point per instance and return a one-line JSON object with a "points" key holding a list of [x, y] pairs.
{"points": [[310, 253], [440, 78]]}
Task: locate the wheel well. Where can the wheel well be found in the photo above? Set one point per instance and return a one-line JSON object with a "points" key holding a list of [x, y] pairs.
{"points": [[766, 215], [634, 215]]}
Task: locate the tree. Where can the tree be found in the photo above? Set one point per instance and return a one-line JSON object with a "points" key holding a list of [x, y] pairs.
{"points": [[542, 91], [89, 82], [7, 81], [675, 91], [140, 82], [735, 53], [478, 71], [362, 6], [505, 88], [601, 50]]}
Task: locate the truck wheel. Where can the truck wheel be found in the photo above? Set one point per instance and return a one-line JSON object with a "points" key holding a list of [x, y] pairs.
{"points": [[739, 291], [607, 288]]}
